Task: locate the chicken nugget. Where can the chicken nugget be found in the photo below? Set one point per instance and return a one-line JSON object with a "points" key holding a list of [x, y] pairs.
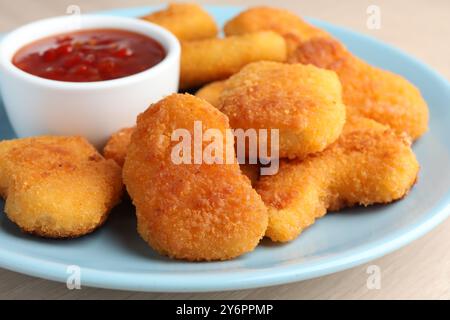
{"points": [[187, 21], [211, 92], [285, 23], [190, 210], [368, 91], [369, 164], [204, 61], [117, 145], [303, 102], [57, 187]]}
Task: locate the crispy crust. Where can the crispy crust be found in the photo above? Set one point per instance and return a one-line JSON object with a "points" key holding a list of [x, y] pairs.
{"points": [[189, 211], [369, 164], [283, 22], [76, 233], [211, 92], [303, 102], [368, 91], [57, 187], [187, 21], [117, 145], [204, 61]]}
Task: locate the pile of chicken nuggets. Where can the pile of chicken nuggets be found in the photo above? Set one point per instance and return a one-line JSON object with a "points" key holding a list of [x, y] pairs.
{"points": [[345, 134]]}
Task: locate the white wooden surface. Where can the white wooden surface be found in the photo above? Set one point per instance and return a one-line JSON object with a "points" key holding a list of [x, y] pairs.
{"points": [[420, 270]]}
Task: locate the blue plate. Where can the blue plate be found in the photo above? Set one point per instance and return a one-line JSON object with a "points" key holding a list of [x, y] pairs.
{"points": [[115, 256]]}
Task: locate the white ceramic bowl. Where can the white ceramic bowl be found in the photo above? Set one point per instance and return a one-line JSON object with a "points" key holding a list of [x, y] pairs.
{"points": [[38, 106]]}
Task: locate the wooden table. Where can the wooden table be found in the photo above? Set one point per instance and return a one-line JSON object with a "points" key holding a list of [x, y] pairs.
{"points": [[420, 270]]}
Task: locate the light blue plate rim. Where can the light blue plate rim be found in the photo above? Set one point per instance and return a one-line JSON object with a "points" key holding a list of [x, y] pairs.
{"points": [[245, 279]]}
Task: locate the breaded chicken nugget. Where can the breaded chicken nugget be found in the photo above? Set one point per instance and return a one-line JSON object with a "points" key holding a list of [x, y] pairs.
{"points": [[368, 91], [204, 61], [369, 164], [303, 102], [190, 211], [187, 21], [211, 92], [57, 187], [285, 23], [117, 145]]}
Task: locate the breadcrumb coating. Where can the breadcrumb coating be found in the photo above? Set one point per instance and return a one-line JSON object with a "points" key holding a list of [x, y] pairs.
{"points": [[368, 91], [117, 145], [204, 61], [369, 164], [303, 102], [211, 92], [283, 22], [187, 21], [57, 187], [190, 211]]}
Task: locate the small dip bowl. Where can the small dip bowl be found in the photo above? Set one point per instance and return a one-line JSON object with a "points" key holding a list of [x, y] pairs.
{"points": [[95, 110]]}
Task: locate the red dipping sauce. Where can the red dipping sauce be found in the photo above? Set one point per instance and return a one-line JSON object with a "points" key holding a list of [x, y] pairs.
{"points": [[90, 55]]}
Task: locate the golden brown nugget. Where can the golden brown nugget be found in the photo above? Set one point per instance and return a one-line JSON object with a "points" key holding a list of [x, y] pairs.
{"points": [[291, 27], [57, 187], [369, 164], [368, 91], [204, 61], [117, 145], [374, 93], [187, 21], [211, 92], [190, 211], [303, 102]]}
